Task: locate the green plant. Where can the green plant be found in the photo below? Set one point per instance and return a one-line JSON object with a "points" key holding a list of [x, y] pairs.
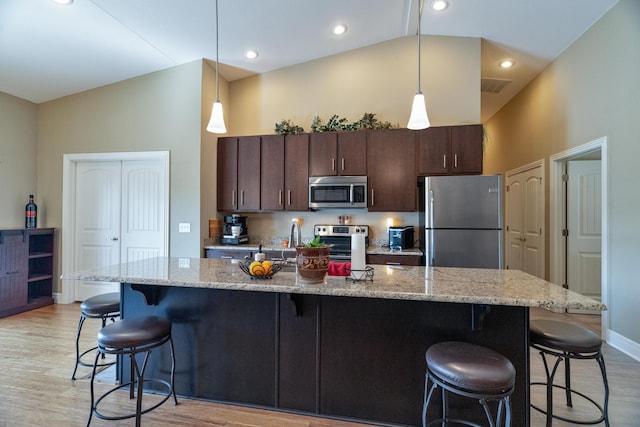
{"points": [[315, 243], [337, 124], [287, 127]]}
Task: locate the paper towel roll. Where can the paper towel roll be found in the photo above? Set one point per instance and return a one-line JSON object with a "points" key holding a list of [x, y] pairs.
{"points": [[358, 260]]}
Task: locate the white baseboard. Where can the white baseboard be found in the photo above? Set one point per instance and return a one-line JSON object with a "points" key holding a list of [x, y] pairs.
{"points": [[623, 344]]}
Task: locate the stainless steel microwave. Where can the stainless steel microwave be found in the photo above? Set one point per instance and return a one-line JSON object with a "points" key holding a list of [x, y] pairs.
{"points": [[337, 192]]}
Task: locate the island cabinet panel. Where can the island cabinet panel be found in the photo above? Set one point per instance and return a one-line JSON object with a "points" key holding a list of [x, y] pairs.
{"points": [[341, 357], [238, 173], [391, 166], [338, 153], [450, 150], [225, 342], [379, 374], [298, 362]]}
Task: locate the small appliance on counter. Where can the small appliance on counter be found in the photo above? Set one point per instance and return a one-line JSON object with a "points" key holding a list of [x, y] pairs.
{"points": [[401, 237], [234, 231]]}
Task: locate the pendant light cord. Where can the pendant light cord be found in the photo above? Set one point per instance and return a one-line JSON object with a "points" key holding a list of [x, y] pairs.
{"points": [[217, 96], [419, 48]]}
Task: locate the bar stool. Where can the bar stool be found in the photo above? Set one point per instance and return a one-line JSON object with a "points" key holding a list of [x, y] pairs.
{"points": [[472, 371], [568, 341], [102, 307], [131, 337]]}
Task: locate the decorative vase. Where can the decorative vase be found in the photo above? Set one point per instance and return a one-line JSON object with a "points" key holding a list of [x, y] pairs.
{"points": [[312, 263]]}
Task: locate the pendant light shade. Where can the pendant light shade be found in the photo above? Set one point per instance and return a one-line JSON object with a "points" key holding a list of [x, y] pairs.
{"points": [[418, 118], [216, 122]]}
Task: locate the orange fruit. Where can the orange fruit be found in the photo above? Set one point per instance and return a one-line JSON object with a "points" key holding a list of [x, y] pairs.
{"points": [[256, 269], [267, 265]]}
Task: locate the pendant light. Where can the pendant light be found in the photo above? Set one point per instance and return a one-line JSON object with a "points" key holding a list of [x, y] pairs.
{"points": [[418, 118], [216, 122]]}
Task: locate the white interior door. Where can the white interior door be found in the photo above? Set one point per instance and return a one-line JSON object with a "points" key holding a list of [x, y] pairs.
{"points": [[97, 225], [120, 216], [143, 222], [525, 221], [584, 222]]}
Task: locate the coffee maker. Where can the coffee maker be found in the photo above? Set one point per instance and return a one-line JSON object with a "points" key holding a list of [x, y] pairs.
{"points": [[234, 231]]}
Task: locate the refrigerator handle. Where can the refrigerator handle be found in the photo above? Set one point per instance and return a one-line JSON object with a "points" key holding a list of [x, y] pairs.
{"points": [[430, 219], [430, 261], [430, 234]]}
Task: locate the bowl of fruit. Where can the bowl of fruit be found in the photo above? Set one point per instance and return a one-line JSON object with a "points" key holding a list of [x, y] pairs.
{"points": [[259, 267]]}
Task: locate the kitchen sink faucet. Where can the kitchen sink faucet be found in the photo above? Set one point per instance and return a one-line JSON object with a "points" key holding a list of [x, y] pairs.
{"points": [[294, 234]]}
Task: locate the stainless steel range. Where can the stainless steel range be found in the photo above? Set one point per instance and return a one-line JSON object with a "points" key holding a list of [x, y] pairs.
{"points": [[340, 237]]}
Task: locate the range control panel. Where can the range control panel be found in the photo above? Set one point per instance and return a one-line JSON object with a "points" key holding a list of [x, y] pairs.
{"points": [[340, 230]]}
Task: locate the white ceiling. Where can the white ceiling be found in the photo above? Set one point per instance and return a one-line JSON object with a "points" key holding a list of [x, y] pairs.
{"points": [[48, 51]]}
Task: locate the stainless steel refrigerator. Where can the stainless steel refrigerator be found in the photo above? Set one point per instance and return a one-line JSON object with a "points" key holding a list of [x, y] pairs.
{"points": [[461, 221]]}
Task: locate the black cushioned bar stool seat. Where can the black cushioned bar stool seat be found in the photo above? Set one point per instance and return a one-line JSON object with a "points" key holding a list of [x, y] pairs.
{"points": [[131, 337], [472, 371], [567, 341], [102, 307]]}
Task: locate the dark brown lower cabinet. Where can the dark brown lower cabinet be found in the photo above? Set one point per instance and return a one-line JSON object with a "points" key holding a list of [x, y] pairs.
{"points": [[26, 269], [340, 357]]}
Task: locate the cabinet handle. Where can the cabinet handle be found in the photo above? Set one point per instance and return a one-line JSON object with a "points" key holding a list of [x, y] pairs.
{"points": [[455, 160], [233, 197], [242, 197], [12, 272], [444, 161], [225, 257], [333, 164], [372, 196], [289, 197], [342, 163], [280, 197]]}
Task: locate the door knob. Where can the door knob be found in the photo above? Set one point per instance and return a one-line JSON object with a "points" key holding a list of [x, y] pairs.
{"points": [[114, 239]]}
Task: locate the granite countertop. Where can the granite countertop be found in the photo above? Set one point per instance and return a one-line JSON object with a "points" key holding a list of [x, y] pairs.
{"points": [[441, 284], [371, 249]]}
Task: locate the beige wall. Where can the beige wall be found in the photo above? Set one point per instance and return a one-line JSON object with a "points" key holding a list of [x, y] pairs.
{"points": [[592, 90], [18, 140], [159, 111], [380, 79]]}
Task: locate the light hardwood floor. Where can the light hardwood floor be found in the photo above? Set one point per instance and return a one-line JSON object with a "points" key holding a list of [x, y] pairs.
{"points": [[37, 355]]}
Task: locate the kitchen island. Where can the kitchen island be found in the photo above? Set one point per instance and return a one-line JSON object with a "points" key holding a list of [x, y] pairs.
{"points": [[345, 349]]}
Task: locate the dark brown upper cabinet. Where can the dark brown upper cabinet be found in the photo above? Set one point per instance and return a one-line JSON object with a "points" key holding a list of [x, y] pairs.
{"points": [[338, 153]]}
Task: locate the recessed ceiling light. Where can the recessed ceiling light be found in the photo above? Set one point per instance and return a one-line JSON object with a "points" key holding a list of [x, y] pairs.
{"points": [[507, 63], [339, 29], [251, 54], [439, 5], [63, 2]]}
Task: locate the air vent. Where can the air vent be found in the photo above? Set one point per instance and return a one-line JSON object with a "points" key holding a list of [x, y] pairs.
{"points": [[493, 85]]}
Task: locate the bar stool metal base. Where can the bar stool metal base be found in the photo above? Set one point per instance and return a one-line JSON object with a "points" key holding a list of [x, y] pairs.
{"points": [[103, 307], [566, 341], [550, 374], [137, 382]]}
